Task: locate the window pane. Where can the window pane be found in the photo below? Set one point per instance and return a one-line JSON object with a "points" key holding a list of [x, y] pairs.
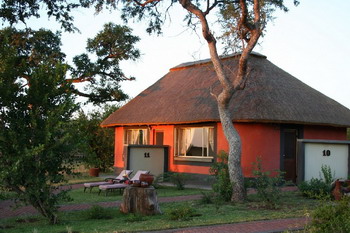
{"points": [[135, 137], [211, 141], [184, 135], [197, 141]]}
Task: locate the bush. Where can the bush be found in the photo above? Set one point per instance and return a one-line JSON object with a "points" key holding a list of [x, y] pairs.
{"points": [[98, 212], [182, 213], [327, 174], [177, 178], [207, 198], [267, 186], [331, 217], [318, 188], [315, 188], [222, 185]]}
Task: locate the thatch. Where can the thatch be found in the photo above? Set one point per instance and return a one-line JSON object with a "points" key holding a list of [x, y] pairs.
{"points": [[271, 95]]}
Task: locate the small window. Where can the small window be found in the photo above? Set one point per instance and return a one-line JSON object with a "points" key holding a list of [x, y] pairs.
{"points": [[194, 141], [135, 137]]}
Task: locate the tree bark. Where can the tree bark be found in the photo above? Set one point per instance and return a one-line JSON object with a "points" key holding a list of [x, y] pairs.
{"points": [[234, 154], [140, 200]]}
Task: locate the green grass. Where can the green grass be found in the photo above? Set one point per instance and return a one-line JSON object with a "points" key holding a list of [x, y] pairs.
{"points": [[294, 205], [79, 196], [84, 177]]}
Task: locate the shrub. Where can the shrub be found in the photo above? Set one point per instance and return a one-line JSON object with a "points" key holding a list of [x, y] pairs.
{"points": [[327, 174], [331, 217], [318, 188], [182, 213], [315, 188], [98, 212], [207, 198], [267, 186], [222, 185], [177, 178]]}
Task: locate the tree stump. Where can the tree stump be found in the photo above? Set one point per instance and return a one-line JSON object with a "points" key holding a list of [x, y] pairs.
{"points": [[140, 200]]}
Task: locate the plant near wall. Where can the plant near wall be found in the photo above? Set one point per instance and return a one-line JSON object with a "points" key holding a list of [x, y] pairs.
{"points": [[318, 188], [327, 174], [177, 178], [222, 186], [267, 185]]}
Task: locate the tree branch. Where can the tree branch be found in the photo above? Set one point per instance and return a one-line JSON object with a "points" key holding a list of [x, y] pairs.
{"points": [[255, 33], [227, 91], [81, 79], [146, 2], [243, 22], [209, 8]]}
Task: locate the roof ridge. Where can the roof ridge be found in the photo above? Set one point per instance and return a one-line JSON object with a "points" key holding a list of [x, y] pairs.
{"points": [[208, 60]]}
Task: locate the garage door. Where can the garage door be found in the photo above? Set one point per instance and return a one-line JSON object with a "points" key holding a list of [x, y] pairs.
{"points": [[151, 158]]}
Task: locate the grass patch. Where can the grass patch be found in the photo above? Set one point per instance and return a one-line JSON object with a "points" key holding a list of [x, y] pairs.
{"points": [[292, 205], [79, 196], [76, 179]]}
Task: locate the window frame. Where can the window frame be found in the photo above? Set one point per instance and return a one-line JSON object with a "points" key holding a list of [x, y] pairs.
{"points": [[145, 136], [211, 143]]}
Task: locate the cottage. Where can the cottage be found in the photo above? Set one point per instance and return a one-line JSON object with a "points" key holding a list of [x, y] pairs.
{"points": [[174, 124]]}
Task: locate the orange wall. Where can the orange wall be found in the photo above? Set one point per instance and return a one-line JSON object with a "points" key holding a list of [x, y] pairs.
{"points": [[119, 147], [323, 132], [168, 139], [257, 140], [261, 140]]}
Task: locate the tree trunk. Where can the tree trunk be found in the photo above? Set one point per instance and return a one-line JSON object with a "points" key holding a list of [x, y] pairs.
{"points": [[234, 155], [140, 200]]}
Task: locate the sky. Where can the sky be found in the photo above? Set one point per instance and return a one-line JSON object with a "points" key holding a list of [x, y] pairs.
{"points": [[311, 42]]}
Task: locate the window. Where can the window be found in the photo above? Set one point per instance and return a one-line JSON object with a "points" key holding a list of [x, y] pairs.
{"points": [[194, 141], [135, 137]]}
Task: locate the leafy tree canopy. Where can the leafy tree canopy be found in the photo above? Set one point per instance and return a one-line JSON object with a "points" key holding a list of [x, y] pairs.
{"points": [[227, 13], [98, 143], [37, 100], [36, 147], [101, 76], [15, 11], [112, 45]]}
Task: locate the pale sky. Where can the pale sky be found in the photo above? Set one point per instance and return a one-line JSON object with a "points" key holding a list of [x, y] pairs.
{"points": [[311, 42]]}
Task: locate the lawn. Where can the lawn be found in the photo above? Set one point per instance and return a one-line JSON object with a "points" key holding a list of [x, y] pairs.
{"points": [[292, 205], [79, 196]]}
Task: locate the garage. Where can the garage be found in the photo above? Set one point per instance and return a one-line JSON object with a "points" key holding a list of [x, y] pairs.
{"points": [[313, 154], [148, 157]]}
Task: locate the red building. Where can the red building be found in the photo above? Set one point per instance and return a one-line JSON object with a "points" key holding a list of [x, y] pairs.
{"points": [[178, 112]]}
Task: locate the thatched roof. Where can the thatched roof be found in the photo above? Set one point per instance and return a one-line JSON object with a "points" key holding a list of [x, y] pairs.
{"points": [[271, 95]]}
